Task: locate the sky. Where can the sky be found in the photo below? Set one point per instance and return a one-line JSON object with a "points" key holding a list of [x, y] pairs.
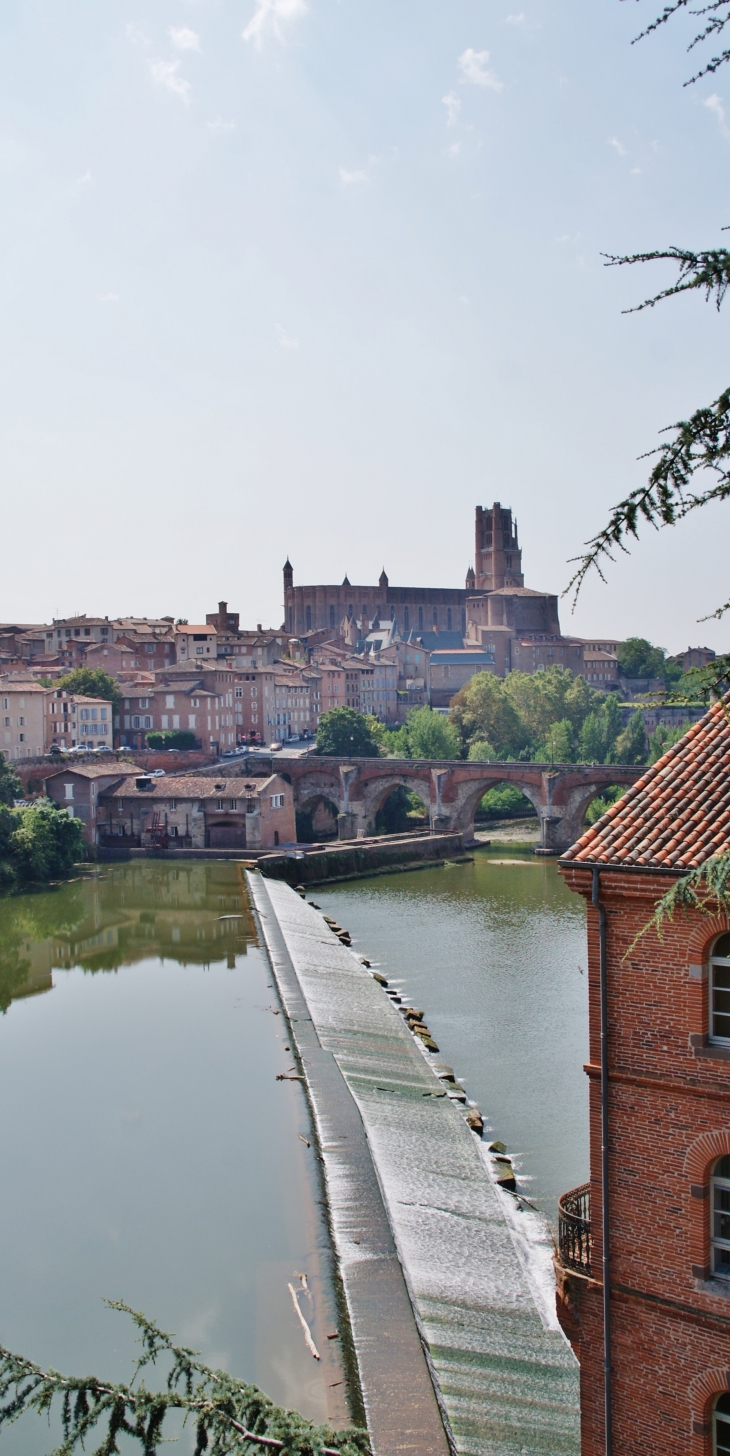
{"points": [[317, 277]]}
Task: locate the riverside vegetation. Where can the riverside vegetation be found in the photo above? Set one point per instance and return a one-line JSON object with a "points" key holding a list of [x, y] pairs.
{"points": [[38, 841]]}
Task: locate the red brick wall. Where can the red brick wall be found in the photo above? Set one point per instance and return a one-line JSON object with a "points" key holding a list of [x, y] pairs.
{"points": [[669, 1118]]}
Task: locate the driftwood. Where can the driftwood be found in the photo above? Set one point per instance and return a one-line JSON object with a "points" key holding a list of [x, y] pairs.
{"points": [[307, 1332]]}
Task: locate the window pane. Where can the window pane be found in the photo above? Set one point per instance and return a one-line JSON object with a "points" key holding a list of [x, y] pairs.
{"points": [[722, 946], [721, 1026], [721, 1261], [722, 1437], [721, 976], [721, 1001], [722, 1170]]}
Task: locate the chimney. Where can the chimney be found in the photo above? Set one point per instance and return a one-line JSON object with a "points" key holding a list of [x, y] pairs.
{"points": [[259, 628]]}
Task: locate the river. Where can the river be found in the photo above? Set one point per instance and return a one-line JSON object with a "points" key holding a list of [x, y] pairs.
{"points": [[494, 953], [147, 1151], [150, 1155]]}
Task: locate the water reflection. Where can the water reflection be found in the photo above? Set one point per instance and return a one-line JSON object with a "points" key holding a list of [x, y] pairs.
{"points": [[196, 915], [148, 1152]]}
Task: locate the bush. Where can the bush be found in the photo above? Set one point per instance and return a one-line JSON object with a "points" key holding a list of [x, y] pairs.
{"points": [[38, 843], [171, 738]]}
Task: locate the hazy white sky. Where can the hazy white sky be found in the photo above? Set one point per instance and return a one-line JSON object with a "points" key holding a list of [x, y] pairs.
{"points": [[318, 276]]}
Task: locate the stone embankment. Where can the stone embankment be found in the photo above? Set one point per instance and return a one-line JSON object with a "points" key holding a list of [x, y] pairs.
{"points": [[454, 1350], [316, 864]]}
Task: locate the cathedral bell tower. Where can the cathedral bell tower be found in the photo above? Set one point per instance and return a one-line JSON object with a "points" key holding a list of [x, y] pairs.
{"points": [[498, 557]]}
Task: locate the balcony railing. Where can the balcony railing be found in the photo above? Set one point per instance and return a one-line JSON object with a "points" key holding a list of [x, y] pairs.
{"points": [[574, 1229]]}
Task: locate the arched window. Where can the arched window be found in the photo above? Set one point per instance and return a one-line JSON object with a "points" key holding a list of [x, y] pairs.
{"points": [[720, 990], [720, 1228], [721, 1424]]}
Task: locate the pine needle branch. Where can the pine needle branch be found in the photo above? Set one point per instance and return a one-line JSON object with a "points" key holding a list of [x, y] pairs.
{"points": [[700, 443], [231, 1418], [709, 270], [704, 888], [719, 13]]}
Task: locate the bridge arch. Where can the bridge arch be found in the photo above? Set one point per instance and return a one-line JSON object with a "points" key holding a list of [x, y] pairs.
{"points": [[378, 791]]}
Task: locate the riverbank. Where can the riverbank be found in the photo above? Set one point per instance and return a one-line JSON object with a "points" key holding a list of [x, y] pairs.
{"points": [[503, 1374]]}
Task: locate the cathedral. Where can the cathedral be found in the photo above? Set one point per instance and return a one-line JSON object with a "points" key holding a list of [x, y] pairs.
{"points": [[494, 601]]}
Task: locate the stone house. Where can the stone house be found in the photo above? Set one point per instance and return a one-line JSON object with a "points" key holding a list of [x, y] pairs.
{"points": [[647, 1308], [195, 643], [78, 790], [197, 813]]}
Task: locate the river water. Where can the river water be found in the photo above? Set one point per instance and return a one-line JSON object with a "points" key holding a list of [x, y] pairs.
{"points": [[494, 953], [147, 1151]]}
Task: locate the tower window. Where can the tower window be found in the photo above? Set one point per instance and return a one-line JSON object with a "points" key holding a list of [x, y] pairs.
{"points": [[720, 991], [406, 619], [435, 616], [420, 619], [448, 619], [332, 616], [309, 619]]}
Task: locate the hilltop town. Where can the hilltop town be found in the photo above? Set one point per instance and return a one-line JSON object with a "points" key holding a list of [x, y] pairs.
{"points": [[380, 650]]}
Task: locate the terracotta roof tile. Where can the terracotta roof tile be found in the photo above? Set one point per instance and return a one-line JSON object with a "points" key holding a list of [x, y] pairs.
{"points": [[678, 812]]}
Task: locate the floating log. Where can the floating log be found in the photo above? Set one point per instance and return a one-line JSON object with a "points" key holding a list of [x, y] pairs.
{"points": [[307, 1332]]}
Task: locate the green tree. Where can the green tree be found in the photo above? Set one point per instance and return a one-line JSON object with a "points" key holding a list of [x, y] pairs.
{"points": [[631, 745], [597, 807], [481, 710], [637, 658], [344, 733], [592, 740], [11, 786], [557, 745], [45, 842], [396, 742], [481, 752], [92, 682], [544, 698], [431, 735]]}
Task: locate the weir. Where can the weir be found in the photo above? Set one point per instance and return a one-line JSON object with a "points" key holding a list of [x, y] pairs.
{"points": [[404, 1172]]}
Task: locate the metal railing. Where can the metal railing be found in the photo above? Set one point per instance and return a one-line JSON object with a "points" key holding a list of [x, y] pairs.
{"points": [[574, 1229]]}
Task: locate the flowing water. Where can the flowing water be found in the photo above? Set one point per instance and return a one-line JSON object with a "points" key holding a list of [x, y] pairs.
{"points": [[494, 953], [147, 1151]]}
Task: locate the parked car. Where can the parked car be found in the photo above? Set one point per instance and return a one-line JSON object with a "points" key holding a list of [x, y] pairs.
{"points": [[157, 773], [103, 748], [55, 750]]}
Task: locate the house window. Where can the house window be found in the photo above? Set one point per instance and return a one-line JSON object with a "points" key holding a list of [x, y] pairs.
{"points": [[173, 804], [720, 991], [720, 1228], [69, 790], [219, 804], [721, 1423], [277, 801]]}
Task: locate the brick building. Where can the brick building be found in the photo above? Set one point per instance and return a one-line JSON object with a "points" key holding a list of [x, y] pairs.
{"points": [[185, 812], [658, 1289]]}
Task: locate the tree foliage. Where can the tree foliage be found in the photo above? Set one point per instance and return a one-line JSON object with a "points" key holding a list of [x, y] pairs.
{"points": [[91, 682], [38, 842], [11, 786], [226, 1415], [345, 733], [550, 717]]}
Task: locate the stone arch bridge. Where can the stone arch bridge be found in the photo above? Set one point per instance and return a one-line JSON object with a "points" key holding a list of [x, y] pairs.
{"points": [[451, 791]]}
